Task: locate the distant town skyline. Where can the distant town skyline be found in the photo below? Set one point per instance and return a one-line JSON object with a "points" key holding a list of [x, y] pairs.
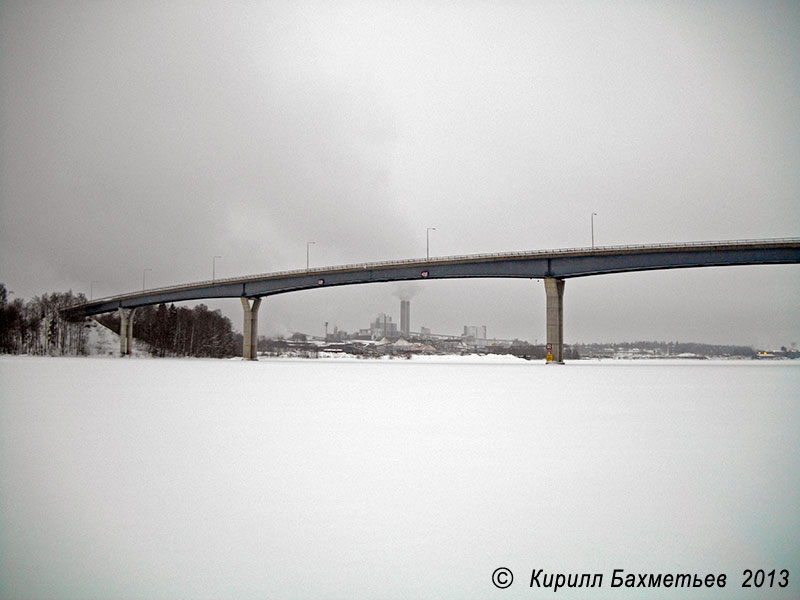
{"points": [[383, 324]]}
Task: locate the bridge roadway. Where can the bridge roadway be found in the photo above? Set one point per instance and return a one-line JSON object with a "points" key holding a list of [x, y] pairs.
{"points": [[553, 266]]}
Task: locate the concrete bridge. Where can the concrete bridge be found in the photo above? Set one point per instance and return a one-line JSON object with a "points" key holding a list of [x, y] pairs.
{"points": [[553, 266]]}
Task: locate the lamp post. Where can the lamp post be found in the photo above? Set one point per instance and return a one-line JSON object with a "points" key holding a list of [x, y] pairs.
{"points": [[594, 214], [428, 242], [143, 273], [91, 289], [308, 254], [214, 267]]}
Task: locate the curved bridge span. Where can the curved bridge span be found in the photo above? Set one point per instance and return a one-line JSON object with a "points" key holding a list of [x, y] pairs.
{"points": [[554, 266]]}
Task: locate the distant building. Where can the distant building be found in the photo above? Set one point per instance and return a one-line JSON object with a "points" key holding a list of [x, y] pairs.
{"points": [[338, 335], [470, 332], [382, 327]]}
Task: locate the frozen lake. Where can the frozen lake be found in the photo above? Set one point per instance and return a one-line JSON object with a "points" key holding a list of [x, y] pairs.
{"points": [[392, 479]]}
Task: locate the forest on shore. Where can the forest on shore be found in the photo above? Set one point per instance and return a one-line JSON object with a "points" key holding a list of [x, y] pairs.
{"points": [[39, 327]]}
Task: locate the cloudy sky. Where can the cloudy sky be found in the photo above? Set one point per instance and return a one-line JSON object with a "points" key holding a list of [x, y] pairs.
{"points": [[156, 135]]}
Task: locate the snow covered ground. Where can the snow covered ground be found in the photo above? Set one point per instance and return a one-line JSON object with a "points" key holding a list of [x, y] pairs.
{"points": [[146, 478]]}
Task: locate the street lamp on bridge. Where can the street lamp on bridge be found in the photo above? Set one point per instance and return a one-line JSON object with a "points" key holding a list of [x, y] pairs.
{"points": [[308, 253], [428, 242], [214, 267], [143, 273], [594, 214], [91, 289]]}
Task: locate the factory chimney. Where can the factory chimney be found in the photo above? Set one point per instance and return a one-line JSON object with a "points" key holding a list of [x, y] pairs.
{"points": [[405, 317]]}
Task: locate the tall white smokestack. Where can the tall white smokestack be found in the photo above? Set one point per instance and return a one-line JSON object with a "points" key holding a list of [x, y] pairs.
{"points": [[405, 317]]}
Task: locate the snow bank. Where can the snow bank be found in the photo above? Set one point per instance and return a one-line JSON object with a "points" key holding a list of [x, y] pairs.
{"points": [[101, 341]]}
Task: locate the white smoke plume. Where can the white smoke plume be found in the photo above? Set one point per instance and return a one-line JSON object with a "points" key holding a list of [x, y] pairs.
{"points": [[406, 290]]}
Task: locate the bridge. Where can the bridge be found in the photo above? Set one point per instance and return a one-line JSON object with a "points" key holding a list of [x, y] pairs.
{"points": [[553, 266]]}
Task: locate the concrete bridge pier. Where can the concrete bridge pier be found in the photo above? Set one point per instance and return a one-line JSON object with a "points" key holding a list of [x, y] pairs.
{"points": [[126, 330], [250, 328], [554, 289]]}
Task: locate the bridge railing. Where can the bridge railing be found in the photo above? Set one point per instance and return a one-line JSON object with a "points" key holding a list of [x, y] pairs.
{"points": [[449, 259]]}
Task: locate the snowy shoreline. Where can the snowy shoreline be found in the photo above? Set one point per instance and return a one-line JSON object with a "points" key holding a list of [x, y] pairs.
{"points": [[488, 359]]}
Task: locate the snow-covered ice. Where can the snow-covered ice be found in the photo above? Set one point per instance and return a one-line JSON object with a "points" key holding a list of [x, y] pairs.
{"points": [[392, 479]]}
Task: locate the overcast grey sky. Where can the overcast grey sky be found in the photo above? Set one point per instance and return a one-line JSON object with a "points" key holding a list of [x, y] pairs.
{"points": [[155, 135]]}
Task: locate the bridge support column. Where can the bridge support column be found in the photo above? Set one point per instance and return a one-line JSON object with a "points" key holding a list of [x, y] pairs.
{"points": [[554, 289], [126, 330], [250, 329]]}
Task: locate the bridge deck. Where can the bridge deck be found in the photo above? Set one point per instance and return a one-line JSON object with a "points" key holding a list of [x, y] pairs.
{"points": [[561, 264]]}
